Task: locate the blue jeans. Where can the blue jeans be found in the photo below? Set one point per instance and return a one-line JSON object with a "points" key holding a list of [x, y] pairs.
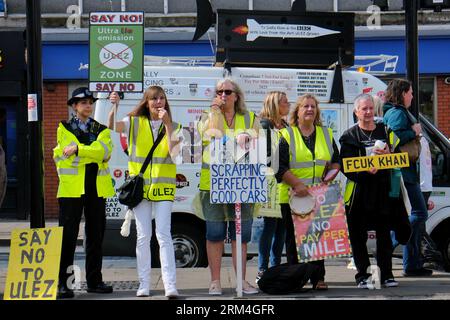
{"points": [[271, 243], [412, 253]]}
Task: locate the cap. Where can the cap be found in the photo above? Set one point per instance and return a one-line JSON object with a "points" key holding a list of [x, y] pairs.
{"points": [[81, 93]]}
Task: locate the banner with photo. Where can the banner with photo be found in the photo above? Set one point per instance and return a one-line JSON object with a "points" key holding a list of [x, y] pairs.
{"points": [[323, 233]]}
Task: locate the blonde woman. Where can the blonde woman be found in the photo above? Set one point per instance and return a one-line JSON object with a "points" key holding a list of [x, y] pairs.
{"points": [[227, 118], [271, 243], [307, 151]]}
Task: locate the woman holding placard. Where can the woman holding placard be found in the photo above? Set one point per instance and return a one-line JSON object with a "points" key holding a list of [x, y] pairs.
{"points": [[308, 155], [367, 201], [226, 120]]}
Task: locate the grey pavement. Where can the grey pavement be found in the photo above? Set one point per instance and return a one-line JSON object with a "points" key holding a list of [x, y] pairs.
{"points": [[193, 283]]}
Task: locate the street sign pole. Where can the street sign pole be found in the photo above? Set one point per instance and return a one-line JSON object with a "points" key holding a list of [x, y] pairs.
{"points": [[34, 81], [237, 208], [412, 68]]}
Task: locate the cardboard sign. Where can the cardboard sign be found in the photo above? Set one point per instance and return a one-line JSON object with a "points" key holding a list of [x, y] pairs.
{"points": [[116, 51], [33, 266], [385, 161], [323, 233], [240, 182]]}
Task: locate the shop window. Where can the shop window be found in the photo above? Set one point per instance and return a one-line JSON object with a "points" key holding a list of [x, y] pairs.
{"points": [[8, 137], [426, 98]]}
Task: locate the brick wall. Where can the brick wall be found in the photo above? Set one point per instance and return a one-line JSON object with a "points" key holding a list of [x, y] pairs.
{"points": [[54, 110], [443, 106]]}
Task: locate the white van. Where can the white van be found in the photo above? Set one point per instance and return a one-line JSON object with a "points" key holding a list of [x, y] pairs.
{"points": [[190, 91]]}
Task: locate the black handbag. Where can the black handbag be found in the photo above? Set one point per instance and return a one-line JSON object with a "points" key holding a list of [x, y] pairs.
{"points": [[131, 192]]}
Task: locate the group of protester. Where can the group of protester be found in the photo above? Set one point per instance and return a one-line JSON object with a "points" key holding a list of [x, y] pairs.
{"points": [[307, 154]]}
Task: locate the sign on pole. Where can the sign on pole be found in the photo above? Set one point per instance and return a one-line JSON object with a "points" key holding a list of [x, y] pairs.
{"points": [[33, 266], [238, 175], [116, 51]]}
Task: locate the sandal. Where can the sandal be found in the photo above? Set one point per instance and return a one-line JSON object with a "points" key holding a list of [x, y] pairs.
{"points": [[215, 288], [321, 285]]}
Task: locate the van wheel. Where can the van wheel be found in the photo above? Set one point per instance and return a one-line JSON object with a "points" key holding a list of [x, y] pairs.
{"points": [[444, 247], [441, 236], [189, 245]]}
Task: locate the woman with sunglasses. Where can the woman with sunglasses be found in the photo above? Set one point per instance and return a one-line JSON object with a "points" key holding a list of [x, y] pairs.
{"points": [[227, 119], [150, 119], [307, 152]]}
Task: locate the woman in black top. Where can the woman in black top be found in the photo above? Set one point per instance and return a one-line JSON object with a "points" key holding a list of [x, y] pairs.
{"points": [[367, 202], [271, 242]]}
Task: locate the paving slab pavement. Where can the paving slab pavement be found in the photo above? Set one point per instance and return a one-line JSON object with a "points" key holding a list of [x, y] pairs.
{"points": [[193, 283]]}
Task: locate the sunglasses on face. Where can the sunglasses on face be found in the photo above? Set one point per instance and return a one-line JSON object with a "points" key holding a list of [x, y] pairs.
{"points": [[227, 92]]}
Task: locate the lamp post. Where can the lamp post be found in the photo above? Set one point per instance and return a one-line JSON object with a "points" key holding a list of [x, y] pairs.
{"points": [[34, 83], [412, 68]]}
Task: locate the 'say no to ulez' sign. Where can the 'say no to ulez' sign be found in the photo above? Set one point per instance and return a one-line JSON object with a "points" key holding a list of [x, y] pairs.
{"points": [[116, 51]]}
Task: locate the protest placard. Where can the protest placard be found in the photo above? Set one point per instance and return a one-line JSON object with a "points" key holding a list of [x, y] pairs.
{"points": [[116, 51], [385, 161], [239, 182], [34, 264], [323, 233]]}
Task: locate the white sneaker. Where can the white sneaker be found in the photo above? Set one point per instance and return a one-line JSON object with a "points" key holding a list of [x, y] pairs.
{"points": [[143, 292], [172, 293], [390, 283]]}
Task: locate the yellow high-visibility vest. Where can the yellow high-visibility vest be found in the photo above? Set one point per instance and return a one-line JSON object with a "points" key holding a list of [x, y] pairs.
{"points": [[303, 164], [160, 175], [242, 122], [72, 170]]}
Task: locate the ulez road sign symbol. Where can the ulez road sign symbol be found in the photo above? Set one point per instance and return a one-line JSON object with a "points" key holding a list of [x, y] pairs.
{"points": [[116, 56], [116, 51]]}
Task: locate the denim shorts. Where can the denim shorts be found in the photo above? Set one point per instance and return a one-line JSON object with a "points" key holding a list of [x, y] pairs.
{"points": [[217, 230], [219, 216]]}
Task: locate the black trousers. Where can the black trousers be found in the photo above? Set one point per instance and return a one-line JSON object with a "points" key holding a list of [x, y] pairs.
{"points": [[70, 211], [291, 247], [357, 228]]}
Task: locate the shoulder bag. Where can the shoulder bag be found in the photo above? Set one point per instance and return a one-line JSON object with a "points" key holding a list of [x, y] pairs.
{"points": [[131, 192], [412, 147]]}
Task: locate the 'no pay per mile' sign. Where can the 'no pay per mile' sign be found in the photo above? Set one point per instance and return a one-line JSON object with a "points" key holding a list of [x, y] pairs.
{"points": [[116, 51]]}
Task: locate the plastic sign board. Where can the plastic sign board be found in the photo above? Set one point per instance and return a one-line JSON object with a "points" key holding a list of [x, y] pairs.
{"points": [[238, 183], [116, 51], [284, 38], [33, 266], [323, 233], [385, 161], [238, 174]]}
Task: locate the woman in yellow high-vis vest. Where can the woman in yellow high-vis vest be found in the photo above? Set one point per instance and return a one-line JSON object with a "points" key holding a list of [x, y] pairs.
{"points": [[81, 157], [307, 152], [143, 125], [227, 117]]}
